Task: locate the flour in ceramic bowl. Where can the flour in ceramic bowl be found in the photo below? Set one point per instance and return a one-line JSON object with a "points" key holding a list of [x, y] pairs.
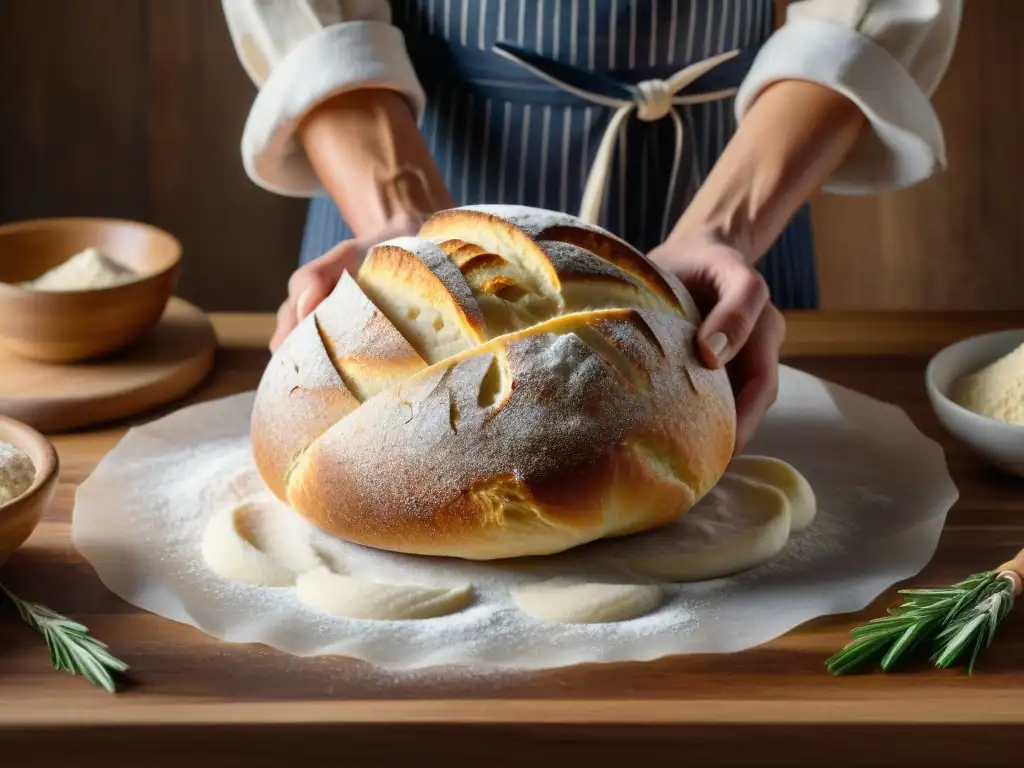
{"points": [[16, 472]]}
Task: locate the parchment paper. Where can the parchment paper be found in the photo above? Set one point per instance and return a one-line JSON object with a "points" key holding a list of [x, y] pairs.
{"points": [[883, 492]]}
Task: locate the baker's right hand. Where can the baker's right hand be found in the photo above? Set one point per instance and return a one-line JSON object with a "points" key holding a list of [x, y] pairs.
{"points": [[311, 283], [741, 329]]}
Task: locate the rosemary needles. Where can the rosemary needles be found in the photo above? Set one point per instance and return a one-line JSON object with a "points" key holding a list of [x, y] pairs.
{"points": [[948, 622], [72, 648]]}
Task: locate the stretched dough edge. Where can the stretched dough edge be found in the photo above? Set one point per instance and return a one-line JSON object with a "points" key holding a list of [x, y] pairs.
{"points": [[350, 598], [730, 554], [787, 478], [586, 602]]}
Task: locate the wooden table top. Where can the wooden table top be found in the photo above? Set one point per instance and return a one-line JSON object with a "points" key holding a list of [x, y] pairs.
{"points": [[771, 705]]}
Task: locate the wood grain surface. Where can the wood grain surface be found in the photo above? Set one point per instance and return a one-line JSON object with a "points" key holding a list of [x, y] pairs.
{"points": [[168, 363], [191, 696]]}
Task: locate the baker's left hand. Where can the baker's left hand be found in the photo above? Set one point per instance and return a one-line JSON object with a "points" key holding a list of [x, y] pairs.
{"points": [[741, 328]]}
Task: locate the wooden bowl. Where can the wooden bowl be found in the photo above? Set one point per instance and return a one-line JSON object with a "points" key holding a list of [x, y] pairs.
{"points": [[70, 326], [20, 516]]}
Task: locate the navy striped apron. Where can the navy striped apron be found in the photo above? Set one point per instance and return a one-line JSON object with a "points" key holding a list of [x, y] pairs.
{"points": [[521, 94]]}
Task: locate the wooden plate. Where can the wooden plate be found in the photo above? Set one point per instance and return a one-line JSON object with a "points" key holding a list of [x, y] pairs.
{"points": [[167, 364]]}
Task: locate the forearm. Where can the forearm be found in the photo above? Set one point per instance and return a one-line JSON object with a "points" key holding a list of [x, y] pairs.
{"points": [[371, 158], [790, 141]]}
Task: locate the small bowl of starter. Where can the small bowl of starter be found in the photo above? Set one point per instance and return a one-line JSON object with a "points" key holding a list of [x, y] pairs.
{"points": [[28, 478], [76, 289], [976, 388]]}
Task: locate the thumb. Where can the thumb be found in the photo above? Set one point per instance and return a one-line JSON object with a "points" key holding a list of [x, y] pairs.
{"points": [[314, 282], [729, 324], [310, 297], [311, 286]]}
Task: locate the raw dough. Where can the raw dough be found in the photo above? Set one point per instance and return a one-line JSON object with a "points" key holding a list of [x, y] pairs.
{"points": [[16, 472], [349, 598], [269, 546], [774, 472], [586, 602], [740, 524], [745, 520], [84, 271], [257, 544]]}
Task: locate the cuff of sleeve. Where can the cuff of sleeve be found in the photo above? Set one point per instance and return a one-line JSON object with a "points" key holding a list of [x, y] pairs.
{"points": [[343, 57], [905, 144]]}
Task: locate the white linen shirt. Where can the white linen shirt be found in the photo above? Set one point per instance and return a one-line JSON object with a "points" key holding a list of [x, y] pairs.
{"points": [[887, 56]]}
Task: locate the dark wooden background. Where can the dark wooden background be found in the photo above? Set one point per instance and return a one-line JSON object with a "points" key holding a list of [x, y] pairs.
{"points": [[135, 108]]}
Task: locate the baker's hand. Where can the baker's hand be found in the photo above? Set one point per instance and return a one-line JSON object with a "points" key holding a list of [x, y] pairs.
{"points": [[741, 328], [311, 283]]}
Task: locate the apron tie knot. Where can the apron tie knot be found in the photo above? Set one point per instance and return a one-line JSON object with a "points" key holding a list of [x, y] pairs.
{"points": [[649, 100], [654, 100]]}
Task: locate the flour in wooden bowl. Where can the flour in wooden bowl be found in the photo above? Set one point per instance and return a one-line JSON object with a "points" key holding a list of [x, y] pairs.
{"points": [[85, 271], [16, 472]]}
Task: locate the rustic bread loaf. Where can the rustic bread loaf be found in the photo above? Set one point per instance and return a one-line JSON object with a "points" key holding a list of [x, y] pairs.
{"points": [[510, 382]]}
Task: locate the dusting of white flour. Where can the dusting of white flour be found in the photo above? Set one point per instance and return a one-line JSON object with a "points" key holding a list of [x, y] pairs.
{"points": [[85, 271], [742, 523], [883, 491], [997, 390], [16, 472]]}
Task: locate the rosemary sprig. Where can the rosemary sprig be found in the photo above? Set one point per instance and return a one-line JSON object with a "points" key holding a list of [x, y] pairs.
{"points": [[72, 648], [948, 621]]}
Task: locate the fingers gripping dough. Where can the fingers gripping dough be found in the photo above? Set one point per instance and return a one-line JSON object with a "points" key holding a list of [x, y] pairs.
{"points": [[585, 602]]}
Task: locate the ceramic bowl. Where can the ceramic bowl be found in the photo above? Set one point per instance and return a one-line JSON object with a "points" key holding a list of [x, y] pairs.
{"points": [[20, 516], [71, 326], [996, 442]]}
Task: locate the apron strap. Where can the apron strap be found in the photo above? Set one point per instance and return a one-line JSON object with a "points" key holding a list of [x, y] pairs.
{"points": [[651, 100]]}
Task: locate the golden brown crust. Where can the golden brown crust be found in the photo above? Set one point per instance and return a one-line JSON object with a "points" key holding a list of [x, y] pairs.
{"points": [[369, 353], [543, 226], [565, 458], [627, 258], [423, 294], [494, 235], [343, 353], [465, 253], [567, 427], [299, 398]]}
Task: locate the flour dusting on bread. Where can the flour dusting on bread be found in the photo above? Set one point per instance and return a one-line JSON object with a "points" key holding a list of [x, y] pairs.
{"points": [[510, 382]]}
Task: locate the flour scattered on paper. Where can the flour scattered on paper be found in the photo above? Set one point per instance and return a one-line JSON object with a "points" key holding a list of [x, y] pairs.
{"points": [[882, 488], [742, 523]]}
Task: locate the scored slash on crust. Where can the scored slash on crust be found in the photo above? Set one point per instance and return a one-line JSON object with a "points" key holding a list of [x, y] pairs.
{"points": [[489, 319]]}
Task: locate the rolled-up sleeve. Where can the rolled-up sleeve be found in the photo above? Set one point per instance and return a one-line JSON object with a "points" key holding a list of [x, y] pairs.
{"points": [[888, 57], [300, 53]]}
